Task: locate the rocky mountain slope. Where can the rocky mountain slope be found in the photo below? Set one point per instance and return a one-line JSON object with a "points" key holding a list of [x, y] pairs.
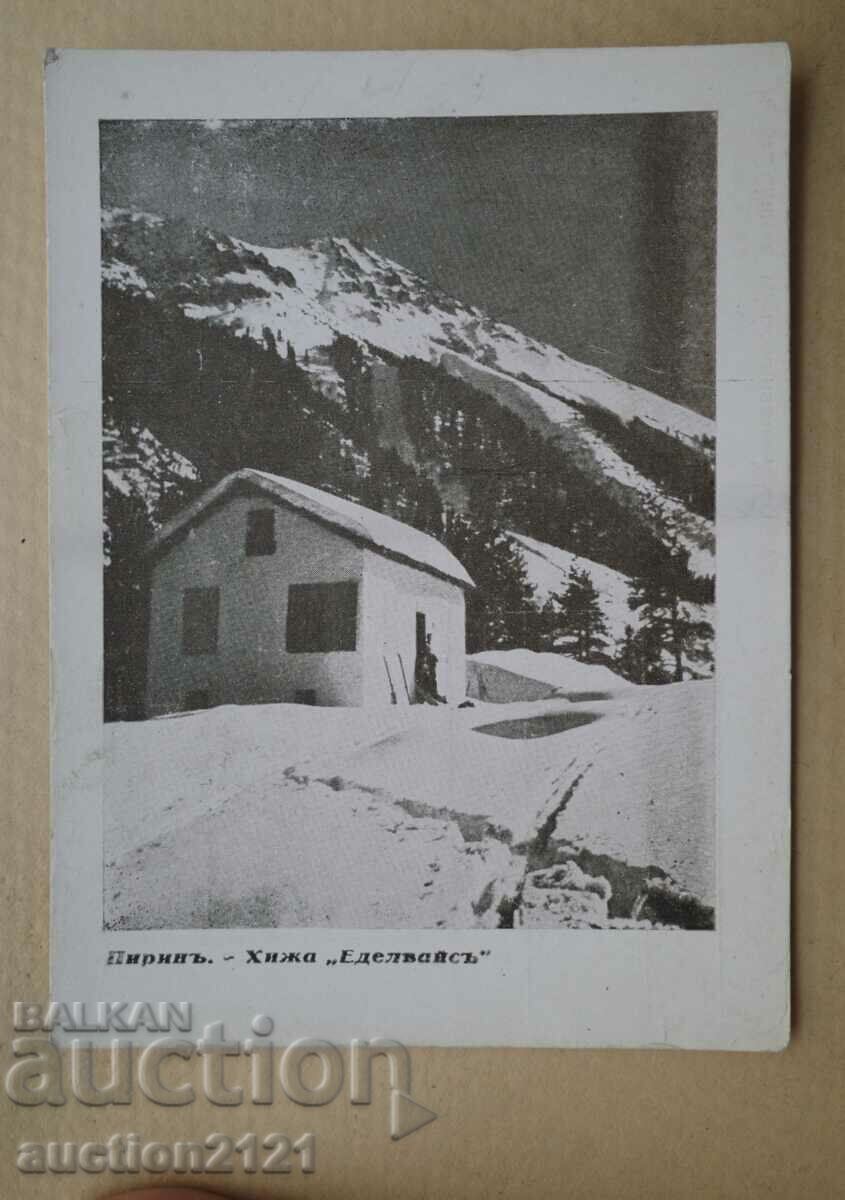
{"points": [[307, 296]]}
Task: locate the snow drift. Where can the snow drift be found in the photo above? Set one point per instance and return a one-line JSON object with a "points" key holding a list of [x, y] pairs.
{"points": [[287, 816]]}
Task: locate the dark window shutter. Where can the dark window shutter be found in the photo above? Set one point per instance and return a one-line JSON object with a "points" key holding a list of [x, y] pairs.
{"points": [[260, 532], [200, 620], [322, 617]]}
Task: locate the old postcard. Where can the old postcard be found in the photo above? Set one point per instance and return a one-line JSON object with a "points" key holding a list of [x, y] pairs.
{"points": [[420, 493]]}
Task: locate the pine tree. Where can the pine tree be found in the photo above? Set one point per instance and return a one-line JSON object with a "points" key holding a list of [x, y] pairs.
{"points": [[427, 512], [128, 529], [659, 588], [669, 622], [579, 622], [639, 656], [545, 626], [500, 609], [626, 659]]}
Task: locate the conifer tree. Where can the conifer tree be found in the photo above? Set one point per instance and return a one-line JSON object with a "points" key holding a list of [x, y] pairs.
{"points": [[500, 609], [579, 622], [668, 626], [128, 529], [639, 656], [670, 623]]}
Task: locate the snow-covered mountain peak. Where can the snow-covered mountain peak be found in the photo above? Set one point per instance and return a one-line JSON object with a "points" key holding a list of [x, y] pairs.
{"points": [[649, 457], [307, 295]]}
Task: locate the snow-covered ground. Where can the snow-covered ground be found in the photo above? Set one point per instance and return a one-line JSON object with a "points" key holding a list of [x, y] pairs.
{"points": [[282, 815]]}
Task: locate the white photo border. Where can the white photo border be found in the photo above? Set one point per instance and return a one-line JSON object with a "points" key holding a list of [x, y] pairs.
{"points": [[727, 989]]}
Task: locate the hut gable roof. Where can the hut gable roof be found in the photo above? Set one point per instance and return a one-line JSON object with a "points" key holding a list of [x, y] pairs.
{"points": [[381, 533]]}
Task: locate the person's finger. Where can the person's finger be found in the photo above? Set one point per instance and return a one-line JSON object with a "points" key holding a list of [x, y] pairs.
{"points": [[165, 1193]]}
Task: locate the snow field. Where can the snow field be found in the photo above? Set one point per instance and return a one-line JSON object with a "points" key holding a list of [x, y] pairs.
{"points": [[282, 815]]}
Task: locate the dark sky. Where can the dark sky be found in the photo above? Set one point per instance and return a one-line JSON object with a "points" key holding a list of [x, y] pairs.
{"points": [[594, 233]]}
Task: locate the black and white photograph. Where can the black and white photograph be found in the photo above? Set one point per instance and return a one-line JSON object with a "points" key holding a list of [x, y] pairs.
{"points": [[420, 540], [409, 456]]}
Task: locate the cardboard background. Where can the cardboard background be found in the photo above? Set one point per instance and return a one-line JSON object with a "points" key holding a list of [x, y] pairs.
{"points": [[540, 1123]]}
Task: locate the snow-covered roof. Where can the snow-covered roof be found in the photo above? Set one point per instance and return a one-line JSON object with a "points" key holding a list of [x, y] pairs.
{"points": [[374, 529]]}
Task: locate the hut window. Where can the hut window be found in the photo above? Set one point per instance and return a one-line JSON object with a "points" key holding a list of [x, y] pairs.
{"points": [[260, 532], [321, 617], [200, 620]]}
